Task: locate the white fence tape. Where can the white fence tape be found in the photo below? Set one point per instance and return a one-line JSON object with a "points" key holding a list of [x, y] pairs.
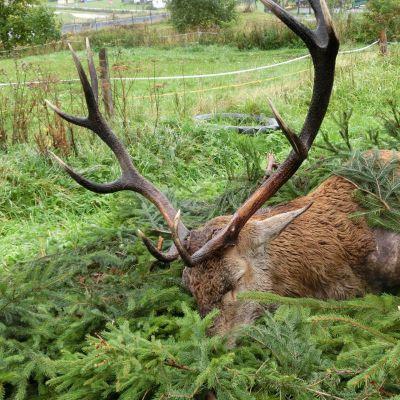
{"points": [[182, 77], [241, 71], [361, 49], [238, 72]]}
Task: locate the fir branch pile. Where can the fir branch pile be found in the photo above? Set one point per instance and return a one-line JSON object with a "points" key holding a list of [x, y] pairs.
{"points": [[99, 324], [377, 188]]}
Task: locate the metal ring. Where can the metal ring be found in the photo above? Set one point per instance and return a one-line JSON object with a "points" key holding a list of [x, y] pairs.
{"points": [[266, 124]]}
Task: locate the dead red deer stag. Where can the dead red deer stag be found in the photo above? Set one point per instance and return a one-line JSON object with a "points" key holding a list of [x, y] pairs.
{"points": [[320, 253]]}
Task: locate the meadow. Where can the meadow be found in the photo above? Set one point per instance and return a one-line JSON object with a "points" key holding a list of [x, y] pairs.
{"points": [[72, 265]]}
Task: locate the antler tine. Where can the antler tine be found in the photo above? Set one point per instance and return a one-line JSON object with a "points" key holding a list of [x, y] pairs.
{"points": [[294, 140], [323, 46], [186, 257], [102, 188], [298, 28], [95, 121], [92, 71], [168, 257], [80, 121], [324, 20], [91, 100], [309, 37], [130, 179]]}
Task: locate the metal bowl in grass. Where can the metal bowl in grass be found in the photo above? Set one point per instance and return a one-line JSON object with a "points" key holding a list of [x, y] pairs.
{"points": [[248, 124]]}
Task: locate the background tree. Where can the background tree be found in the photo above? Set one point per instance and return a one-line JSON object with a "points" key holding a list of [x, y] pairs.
{"points": [[194, 14], [26, 22], [384, 14]]}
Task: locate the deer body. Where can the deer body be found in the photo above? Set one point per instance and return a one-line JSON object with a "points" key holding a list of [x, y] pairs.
{"points": [[291, 249], [323, 253]]}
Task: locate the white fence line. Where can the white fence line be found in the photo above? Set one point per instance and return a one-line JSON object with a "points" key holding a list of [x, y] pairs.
{"points": [[103, 10], [214, 75], [183, 77], [237, 72], [361, 49]]}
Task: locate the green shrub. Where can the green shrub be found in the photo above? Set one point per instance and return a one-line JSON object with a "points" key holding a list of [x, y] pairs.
{"points": [[267, 34], [384, 14], [192, 14], [42, 24], [23, 22]]}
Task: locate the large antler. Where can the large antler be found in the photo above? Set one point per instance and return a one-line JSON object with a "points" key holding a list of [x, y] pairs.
{"points": [[130, 178], [323, 45]]}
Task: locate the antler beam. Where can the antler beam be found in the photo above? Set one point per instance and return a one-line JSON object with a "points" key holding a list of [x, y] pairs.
{"points": [[323, 46]]}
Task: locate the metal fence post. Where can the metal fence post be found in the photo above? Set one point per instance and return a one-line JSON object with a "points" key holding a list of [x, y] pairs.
{"points": [[383, 44]]}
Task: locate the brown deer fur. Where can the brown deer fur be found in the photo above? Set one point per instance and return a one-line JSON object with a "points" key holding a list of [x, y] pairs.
{"points": [[323, 253]]}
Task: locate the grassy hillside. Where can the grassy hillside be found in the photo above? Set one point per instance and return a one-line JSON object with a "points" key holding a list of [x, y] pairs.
{"points": [[72, 265]]}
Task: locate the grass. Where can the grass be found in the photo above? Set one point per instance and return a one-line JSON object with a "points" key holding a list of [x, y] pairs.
{"points": [[144, 61], [41, 209], [189, 60]]}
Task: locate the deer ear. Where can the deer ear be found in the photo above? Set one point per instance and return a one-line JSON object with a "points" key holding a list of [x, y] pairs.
{"points": [[270, 228]]}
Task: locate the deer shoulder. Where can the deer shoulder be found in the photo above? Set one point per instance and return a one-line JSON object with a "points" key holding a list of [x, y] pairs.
{"points": [[327, 253]]}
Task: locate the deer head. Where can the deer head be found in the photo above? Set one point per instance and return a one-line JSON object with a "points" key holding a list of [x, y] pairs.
{"points": [[228, 254]]}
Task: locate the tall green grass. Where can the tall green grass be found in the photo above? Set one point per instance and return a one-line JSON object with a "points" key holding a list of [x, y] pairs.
{"points": [[195, 162]]}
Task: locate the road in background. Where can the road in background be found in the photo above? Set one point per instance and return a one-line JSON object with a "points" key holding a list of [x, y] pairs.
{"points": [[99, 24]]}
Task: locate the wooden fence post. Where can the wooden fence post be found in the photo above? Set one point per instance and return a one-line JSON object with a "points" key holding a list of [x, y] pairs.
{"points": [[383, 45], [106, 83]]}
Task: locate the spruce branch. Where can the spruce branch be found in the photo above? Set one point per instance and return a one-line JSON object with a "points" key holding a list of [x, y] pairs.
{"points": [[356, 324], [172, 363], [324, 394], [364, 190]]}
